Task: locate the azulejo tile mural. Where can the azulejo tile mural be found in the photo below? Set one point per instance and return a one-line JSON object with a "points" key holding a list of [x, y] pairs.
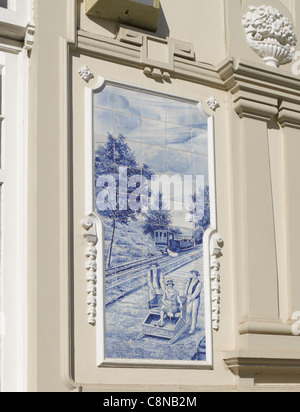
{"points": [[152, 193]]}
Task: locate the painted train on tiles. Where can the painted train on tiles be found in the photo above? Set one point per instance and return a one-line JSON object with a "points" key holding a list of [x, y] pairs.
{"points": [[167, 241]]}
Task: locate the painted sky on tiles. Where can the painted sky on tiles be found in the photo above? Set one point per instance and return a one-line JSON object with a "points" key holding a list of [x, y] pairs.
{"points": [[168, 135]]}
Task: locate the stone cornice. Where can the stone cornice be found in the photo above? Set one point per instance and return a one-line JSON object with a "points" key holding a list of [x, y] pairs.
{"points": [[247, 364], [254, 109], [260, 92], [131, 53], [225, 75], [259, 78], [289, 115], [257, 90]]}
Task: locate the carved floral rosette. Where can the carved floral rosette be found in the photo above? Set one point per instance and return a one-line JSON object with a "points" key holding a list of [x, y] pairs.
{"points": [[270, 35]]}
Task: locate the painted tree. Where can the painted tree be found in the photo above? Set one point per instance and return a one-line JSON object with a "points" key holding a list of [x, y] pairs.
{"points": [[120, 182], [200, 213], [157, 219]]}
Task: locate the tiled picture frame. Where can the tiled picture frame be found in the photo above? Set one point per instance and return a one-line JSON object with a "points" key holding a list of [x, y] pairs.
{"points": [[153, 303]]}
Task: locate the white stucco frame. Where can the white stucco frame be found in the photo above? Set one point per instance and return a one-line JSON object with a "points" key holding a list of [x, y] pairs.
{"points": [[15, 23], [17, 13], [101, 359], [14, 222]]}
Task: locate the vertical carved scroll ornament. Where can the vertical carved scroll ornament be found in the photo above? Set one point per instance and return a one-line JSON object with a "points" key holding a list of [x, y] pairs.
{"points": [[216, 245], [89, 224]]}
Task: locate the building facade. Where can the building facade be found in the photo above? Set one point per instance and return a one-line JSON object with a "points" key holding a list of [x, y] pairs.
{"points": [[149, 195]]}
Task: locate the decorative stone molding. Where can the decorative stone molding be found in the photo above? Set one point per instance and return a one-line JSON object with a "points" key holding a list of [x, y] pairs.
{"points": [[213, 103], [249, 107], [270, 35], [157, 73], [256, 90], [29, 37], [89, 224], [128, 50], [86, 74], [154, 65], [246, 364], [216, 245], [289, 115], [130, 37]]}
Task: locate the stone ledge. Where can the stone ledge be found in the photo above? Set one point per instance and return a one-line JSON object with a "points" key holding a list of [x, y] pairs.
{"points": [[250, 363]]}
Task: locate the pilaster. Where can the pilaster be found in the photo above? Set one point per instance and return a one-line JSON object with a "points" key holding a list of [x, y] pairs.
{"points": [[289, 119], [257, 277]]}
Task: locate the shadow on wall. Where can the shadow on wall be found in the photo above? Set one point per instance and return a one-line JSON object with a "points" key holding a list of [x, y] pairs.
{"points": [[163, 30], [112, 26]]}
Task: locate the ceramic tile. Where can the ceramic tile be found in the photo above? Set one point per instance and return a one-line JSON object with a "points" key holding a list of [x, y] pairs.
{"points": [[155, 157], [199, 119], [179, 112], [110, 251], [200, 167], [110, 287], [104, 148], [103, 122], [127, 126], [129, 253], [179, 162], [127, 154], [153, 107], [100, 140], [127, 101], [179, 137], [102, 168], [105, 99], [153, 136], [200, 141], [111, 345], [135, 148], [105, 193], [136, 352], [125, 233], [110, 316], [153, 132], [158, 348]]}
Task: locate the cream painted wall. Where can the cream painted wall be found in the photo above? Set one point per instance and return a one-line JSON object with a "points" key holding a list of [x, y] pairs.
{"points": [[255, 140], [85, 338], [181, 23]]}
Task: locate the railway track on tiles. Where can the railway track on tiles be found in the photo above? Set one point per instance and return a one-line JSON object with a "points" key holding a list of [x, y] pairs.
{"points": [[129, 279]]}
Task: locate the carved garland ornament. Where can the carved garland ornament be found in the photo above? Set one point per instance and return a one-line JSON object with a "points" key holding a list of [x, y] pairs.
{"points": [[270, 35], [216, 245], [89, 225]]}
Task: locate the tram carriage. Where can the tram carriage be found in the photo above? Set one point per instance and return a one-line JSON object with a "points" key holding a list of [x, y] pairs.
{"points": [[166, 241]]}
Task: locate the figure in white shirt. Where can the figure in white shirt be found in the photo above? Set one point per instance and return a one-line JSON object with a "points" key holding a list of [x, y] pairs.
{"points": [[192, 292]]}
